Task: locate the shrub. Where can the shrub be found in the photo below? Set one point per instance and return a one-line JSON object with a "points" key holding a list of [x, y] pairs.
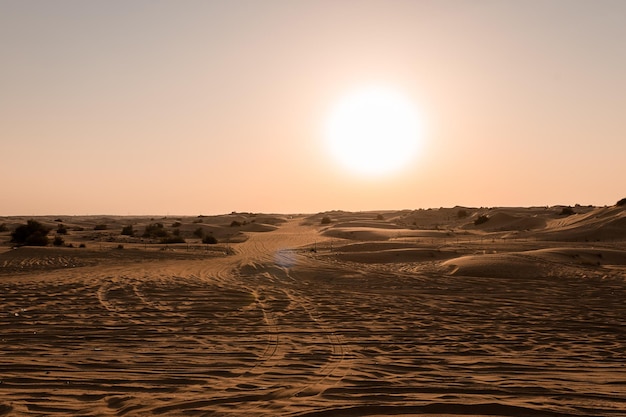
{"points": [[209, 240], [235, 223], [128, 230], [61, 230], [567, 211], [155, 230], [100, 227], [32, 233], [481, 219], [198, 221], [58, 241], [461, 214], [37, 239], [176, 224], [82, 245], [622, 202], [380, 217], [120, 246], [325, 220], [199, 232], [3, 227]]}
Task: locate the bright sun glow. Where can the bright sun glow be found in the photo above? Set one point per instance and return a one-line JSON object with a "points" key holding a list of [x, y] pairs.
{"points": [[373, 131]]}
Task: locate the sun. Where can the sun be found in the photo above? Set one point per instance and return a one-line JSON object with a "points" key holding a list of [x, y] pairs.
{"points": [[373, 131]]}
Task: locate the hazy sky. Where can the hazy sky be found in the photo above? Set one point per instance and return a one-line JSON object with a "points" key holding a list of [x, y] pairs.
{"points": [[190, 107]]}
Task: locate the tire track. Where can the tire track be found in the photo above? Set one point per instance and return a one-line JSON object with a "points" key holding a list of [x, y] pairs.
{"points": [[337, 367]]}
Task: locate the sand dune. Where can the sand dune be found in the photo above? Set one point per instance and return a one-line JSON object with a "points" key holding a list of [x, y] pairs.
{"points": [[289, 317], [603, 224], [501, 220], [540, 263]]}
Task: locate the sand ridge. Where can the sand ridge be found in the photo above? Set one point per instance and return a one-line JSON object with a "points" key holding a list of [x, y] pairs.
{"points": [[447, 319]]}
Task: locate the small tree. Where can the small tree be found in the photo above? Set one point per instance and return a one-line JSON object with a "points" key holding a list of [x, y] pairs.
{"points": [[199, 233], [325, 220], [567, 211], [235, 223], [461, 214], [32, 233], [61, 230], [58, 241]]}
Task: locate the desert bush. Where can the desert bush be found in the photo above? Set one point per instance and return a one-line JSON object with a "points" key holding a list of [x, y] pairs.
{"points": [[380, 217], [325, 220], [172, 239], [120, 246], [82, 245], [198, 221], [58, 241], [37, 239], [32, 233], [481, 219], [209, 240], [622, 202], [176, 224], [3, 227], [235, 223], [567, 211], [154, 230], [461, 214], [100, 227], [199, 232], [128, 230], [61, 230]]}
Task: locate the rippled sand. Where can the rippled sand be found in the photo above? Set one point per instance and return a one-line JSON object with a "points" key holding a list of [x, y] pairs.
{"points": [[278, 329]]}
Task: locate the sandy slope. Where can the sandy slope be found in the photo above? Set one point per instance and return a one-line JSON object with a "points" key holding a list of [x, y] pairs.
{"points": [[304, 320]]}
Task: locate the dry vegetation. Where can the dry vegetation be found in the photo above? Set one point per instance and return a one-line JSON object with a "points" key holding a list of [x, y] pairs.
{"points": [[422, 312]]}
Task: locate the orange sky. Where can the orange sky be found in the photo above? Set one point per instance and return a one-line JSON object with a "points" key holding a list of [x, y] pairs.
{"points": [[190, 107]]}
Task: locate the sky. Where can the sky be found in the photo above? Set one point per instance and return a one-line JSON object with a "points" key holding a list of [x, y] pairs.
{"points": [[208, 107]]}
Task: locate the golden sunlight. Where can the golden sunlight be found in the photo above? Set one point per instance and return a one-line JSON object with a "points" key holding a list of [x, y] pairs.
{"points": [[373, 131]]}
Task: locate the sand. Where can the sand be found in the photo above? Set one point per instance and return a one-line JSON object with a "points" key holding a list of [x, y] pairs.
{"points": [[418, 313]]}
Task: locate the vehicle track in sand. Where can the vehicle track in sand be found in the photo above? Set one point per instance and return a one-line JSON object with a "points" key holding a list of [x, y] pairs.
{"points": [[302, 355]]}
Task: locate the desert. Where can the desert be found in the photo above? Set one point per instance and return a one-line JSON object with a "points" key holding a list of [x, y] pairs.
{"points": [[439, 312], [312, 208]]}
